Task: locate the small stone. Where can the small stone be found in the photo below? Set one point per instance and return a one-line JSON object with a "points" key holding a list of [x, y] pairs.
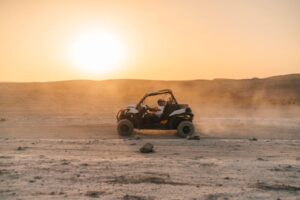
{"points": [[253, 139], [193, 137], [147, 148], [135, 197], [65, 162], [21, 148], [93, 194]]}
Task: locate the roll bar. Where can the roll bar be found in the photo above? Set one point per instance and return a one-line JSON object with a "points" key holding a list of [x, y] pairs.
{"points": [[164, 91]]}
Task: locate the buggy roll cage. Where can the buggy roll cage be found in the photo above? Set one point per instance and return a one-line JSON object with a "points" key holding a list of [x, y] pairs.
{"points": [[165, 91]]}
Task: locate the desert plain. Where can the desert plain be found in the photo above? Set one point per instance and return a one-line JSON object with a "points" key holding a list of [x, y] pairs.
{"points": [[59, 141]]}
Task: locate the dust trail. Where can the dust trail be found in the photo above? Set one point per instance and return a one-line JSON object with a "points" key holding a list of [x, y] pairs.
{"points": [[224, 108]]}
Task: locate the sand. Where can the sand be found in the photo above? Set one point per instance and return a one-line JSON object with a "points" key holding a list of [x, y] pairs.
{"points": [[178, 169], [81, 157], [60, 143]]}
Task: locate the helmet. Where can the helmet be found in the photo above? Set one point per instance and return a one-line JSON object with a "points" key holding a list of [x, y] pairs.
{"points": [[161, 101]]}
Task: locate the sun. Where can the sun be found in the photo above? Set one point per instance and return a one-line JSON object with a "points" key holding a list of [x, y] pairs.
{"points": [[97, 52]]}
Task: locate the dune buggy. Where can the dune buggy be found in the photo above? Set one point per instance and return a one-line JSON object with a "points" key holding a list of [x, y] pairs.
{"points": [[174, 116]]}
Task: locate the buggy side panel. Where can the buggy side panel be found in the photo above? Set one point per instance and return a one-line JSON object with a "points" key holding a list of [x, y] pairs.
{"points": [[177, 112]]}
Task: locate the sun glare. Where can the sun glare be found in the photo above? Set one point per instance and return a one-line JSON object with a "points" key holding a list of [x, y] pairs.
{"points": [[97, 52]]}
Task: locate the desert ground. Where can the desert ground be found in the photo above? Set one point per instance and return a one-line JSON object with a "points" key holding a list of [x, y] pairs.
{"points": [[56, 156], [60, 143]]}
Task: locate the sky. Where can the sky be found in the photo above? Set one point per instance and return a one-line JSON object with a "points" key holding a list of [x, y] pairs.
{"points": [[159, 39]]}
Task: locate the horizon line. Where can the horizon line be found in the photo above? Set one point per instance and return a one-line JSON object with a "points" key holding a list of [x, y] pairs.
{"points": [[137, 79]]}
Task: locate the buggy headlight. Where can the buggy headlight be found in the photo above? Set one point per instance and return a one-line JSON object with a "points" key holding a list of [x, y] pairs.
{"points": [[188, 110]]}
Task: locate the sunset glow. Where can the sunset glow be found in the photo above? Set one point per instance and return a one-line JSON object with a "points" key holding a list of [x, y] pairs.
{"points": [[160, 40], [97, 52]]}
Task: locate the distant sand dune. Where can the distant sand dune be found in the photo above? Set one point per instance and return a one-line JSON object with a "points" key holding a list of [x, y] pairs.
{"points": [[268, 108]]}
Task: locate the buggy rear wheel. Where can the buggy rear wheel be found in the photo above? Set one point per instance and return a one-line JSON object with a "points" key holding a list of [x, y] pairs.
{"points": [[125, 127], [185, 128]]}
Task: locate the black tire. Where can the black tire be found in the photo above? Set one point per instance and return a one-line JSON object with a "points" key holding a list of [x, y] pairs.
{"points": [[125, 127], [185, 128]]}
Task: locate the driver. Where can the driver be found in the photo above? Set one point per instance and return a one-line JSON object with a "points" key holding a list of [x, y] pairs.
{"points": [[161, 106], [156, 112]]}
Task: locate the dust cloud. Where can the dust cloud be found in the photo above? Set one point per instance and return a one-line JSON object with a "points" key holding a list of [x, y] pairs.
{"points": [[264, 108]]}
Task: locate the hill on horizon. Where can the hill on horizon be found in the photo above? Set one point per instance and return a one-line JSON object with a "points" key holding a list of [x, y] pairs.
{"points": [[85, 94]]}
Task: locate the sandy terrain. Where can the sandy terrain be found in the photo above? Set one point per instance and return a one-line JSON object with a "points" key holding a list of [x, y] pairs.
{"points": [[55, 156], [228, 123], [179, 169], [58, 142]]}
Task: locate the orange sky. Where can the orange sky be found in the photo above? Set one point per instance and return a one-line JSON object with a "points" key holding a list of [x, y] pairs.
{"points": [[163, 39]]}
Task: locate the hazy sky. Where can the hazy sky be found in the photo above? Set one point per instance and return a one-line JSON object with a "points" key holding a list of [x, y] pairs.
{"points": [[188, 39]]}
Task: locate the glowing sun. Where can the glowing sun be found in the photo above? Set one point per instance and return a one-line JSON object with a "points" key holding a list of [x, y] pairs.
{"points": [[97, 52]]}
